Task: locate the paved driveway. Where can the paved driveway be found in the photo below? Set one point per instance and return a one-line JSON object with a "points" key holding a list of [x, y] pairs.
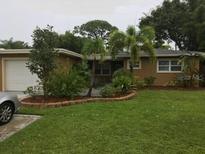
{"points": [[16, 124]]}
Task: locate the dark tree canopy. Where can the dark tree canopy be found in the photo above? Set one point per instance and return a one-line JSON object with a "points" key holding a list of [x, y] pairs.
{"points": [[71, 42], [11, 44], [182, 22], [95, 29]]}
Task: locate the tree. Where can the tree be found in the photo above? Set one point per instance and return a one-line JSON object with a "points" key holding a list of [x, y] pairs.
{"points": [[42, 58], [179, 21], [133, 42], [93, 48], [95, 29], [71, 42], [11, 44]]}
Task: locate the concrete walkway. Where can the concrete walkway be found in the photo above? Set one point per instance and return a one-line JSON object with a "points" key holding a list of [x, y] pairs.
{"points": [[16, 124]]}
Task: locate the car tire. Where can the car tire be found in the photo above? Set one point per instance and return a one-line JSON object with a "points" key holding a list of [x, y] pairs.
{"points": [[6, 112]]}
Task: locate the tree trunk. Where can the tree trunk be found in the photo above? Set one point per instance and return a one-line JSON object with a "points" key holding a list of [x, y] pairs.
{"points": [[131, 68], [92, 82]]}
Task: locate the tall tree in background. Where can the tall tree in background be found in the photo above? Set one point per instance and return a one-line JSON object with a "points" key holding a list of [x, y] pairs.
{"points": [[97, 34], [133, 42], [182, 22], [95, 29], [11, 44], [42, 58], [71, 42]]}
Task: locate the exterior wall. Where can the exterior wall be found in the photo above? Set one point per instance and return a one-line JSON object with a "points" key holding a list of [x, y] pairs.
{"points": [[150, 69], [63, 61]]}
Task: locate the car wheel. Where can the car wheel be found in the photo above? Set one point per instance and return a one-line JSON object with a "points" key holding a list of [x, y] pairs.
{"points": [[6, 112]]}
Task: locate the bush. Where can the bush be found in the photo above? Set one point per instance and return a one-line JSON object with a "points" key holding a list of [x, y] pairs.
{"points": [[140, 84], [184, 80], [122, 80], [122, 72], [149, 81], [108, 91], [66, 84], [34, 91]]}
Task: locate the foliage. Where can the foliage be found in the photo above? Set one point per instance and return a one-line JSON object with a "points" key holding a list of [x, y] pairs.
{"points": [[132, 42], [109, 91], [66, 84], [71, 42], [190, 76], [42, 57], [93, 48], [11, 44], [34, 91], [123, 72], [122, 80], [95, 29], [140, 84], [149, 81], [179, 21], [83, 70]]}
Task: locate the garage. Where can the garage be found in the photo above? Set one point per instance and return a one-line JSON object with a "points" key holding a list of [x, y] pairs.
{"points": [[17, 76]]}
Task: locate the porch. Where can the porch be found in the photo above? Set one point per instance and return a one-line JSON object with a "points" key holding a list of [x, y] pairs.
{"points": [[104, 70]]}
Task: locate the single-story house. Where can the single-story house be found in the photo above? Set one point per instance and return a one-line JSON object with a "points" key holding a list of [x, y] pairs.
{"points": [[15, 76], [165, 69]]}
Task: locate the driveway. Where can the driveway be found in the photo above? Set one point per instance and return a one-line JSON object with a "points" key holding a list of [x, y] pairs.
{"points": [[16, 124]]}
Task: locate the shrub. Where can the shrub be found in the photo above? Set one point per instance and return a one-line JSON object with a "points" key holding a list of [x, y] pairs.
{"points": [[122, 80], [66, 84], [140, 84], [122, 72], [184, 80], [149, 81], [108, 91], [34, 91]]}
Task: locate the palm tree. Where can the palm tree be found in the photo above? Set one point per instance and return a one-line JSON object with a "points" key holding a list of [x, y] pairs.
{"points": [[93, 48], [133, 41]]}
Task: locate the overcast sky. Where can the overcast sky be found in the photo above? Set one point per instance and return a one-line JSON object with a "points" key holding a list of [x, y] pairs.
{"points": [[20, 17]]}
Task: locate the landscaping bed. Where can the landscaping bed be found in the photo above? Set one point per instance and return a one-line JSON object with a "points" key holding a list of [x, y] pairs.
{"points": [[39, 101]]}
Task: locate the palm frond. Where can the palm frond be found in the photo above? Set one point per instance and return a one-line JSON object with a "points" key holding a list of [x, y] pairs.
{"points": [[131, 31]]}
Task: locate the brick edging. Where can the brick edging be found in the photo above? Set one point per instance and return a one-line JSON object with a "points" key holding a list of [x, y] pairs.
{"points": [[80, 101]]}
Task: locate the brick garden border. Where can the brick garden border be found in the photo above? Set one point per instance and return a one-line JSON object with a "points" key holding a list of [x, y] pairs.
{"points": [[79, 101]]}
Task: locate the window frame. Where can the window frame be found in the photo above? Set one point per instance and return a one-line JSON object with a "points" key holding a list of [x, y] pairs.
{"points": [[170, 66]]}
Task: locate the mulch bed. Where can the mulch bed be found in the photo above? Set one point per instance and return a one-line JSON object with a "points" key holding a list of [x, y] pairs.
{"points": [[39, 101]]}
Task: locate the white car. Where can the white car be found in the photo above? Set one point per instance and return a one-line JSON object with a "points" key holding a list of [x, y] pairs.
{"points": [[9, 104]]}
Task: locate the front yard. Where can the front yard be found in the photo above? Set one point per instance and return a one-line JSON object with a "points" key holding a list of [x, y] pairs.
{"points": [[153, 122]]}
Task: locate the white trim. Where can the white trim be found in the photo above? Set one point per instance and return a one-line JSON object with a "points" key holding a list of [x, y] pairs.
{"points": [[3, 68], [134, 68], [158, 71]]}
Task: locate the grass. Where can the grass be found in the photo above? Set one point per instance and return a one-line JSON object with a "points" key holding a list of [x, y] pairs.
{"points": [[153, 122]]}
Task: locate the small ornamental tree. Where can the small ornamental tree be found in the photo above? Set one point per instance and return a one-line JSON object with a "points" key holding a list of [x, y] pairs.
{"points": [[42, 57], [94, 48]]}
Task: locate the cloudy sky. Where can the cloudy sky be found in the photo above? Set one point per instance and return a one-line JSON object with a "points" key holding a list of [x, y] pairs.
{"points": [[20, 17]]}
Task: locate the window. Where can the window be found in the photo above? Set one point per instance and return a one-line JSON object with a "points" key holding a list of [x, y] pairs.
{"points": [[135, 66], [103, 69], [169, 66]]}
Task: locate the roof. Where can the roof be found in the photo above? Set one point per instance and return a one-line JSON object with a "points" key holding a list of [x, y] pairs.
{"points": [[27, 51], [159, 53]]}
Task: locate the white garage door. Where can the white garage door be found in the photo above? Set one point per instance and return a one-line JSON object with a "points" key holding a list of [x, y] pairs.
{"points": [[17, 75]]}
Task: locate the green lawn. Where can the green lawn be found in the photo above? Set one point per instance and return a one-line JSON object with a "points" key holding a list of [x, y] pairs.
{"points": [[153, 122]]}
